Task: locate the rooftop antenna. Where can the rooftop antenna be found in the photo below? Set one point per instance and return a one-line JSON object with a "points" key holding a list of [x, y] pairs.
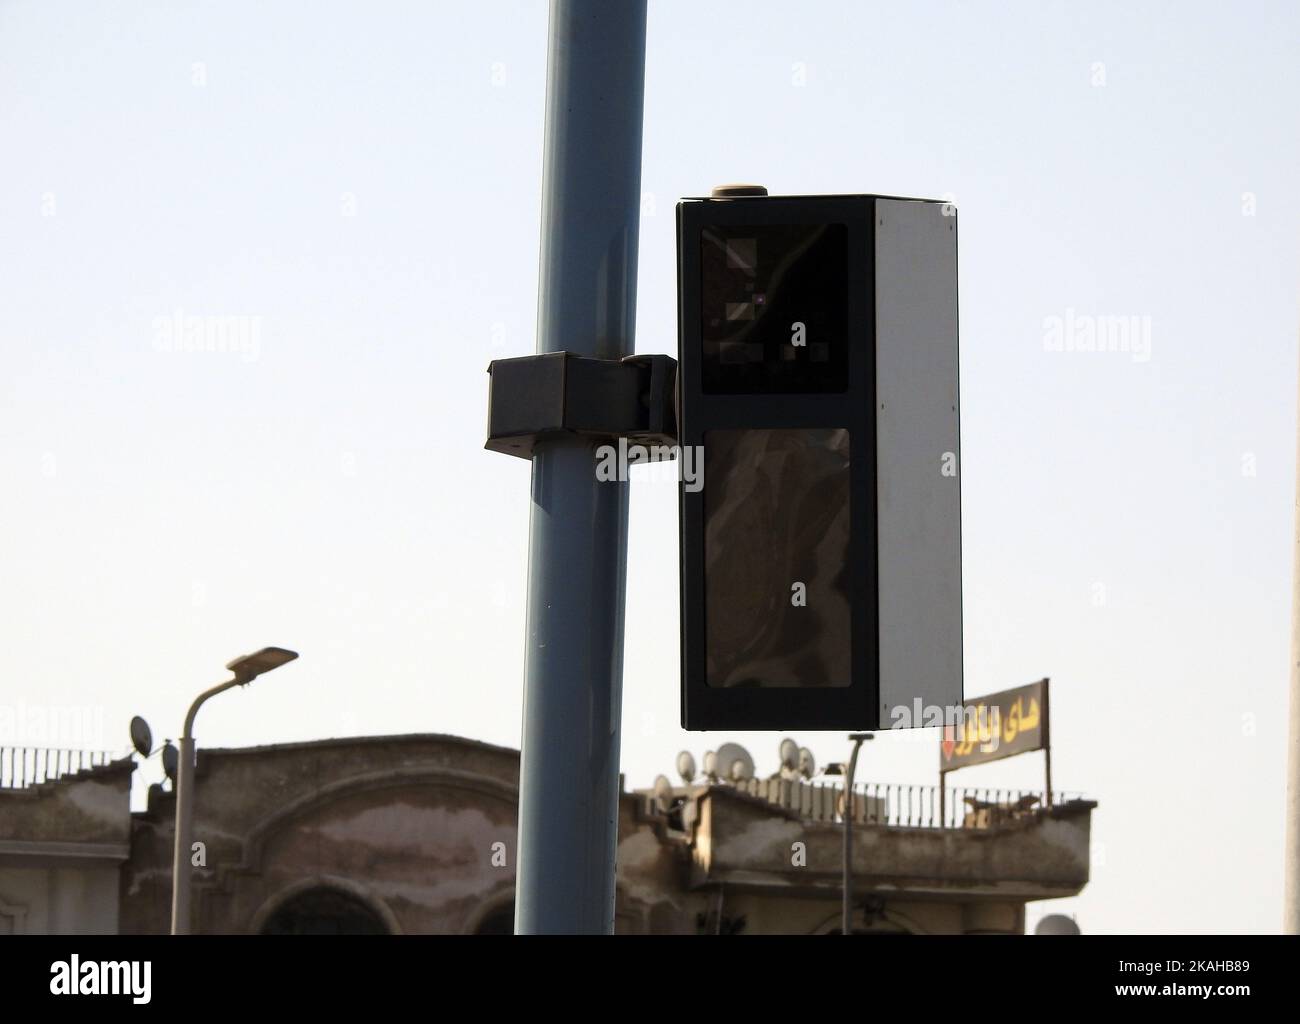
{"points": [[734, 763], [141, 736], [170, 759], [788, 752], [1057, 924], [663, 793]]}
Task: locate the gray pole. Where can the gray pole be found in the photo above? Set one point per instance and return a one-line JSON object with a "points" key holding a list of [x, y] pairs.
{"points": [[184, 829], [1291, 894], [577, 558], [846, 908], [181, 867]]}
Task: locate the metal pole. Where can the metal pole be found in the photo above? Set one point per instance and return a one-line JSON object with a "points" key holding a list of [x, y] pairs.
{"points": [[184, 830], [577, 558], [1291, 892], [846, 884], [181, 867], [1047, 738]]}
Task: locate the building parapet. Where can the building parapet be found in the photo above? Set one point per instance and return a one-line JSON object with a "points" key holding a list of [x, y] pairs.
{"points": [[21, 767], [995, 851]]}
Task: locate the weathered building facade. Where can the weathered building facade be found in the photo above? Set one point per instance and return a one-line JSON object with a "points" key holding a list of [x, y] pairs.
{"points": [[63, 842], [416, 834]]}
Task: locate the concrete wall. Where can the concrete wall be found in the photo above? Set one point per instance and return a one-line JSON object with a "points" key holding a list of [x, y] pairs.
{"points": [[61, 846], [766, 913], [420, 829], [743, 840], [59, 901]]}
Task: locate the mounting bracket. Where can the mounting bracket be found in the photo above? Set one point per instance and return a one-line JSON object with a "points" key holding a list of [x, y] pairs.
{"points": [[560, 394]]}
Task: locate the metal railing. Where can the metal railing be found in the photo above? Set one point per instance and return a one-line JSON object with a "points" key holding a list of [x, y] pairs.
{"points": [[904, 806], [21, 767]]}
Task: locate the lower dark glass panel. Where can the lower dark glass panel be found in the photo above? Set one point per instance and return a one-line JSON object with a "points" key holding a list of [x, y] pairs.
{"points": [[777, 604]]}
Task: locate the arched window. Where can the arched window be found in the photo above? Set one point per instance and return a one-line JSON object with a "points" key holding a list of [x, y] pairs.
{"points": [[324, 911]]}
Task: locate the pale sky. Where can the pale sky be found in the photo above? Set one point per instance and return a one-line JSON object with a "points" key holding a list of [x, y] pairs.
{"points": [[365, 179]]}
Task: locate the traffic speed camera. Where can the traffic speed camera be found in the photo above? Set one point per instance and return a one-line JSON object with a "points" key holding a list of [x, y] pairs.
{"points": [[821, 557]]}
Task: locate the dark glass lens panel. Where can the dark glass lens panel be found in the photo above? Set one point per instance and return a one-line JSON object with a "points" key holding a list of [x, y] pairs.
{"points": [[776, 544], [774, 308]]}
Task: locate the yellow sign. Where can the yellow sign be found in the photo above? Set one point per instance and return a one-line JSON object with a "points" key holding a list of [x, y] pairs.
{"points": [[997, 726]]}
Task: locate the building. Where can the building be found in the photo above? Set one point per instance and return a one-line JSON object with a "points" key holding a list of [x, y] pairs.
{"points": [[416, 834], [63, 843]]}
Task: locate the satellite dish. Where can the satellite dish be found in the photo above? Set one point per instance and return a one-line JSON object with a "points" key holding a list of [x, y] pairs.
{"points": [[711, 764], [663, 793], [1057, 924], [141, 736], [170, 759], [686, 766], [789, 753], [734, 762], [807, 763]]}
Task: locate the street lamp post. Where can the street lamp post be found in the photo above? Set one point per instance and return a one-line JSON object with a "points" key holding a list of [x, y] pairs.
{"points": [[245, 669], [858, 739]]}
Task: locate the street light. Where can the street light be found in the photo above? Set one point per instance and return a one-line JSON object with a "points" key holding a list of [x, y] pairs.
{"points": [[858, 739], [249, 666], [245, 668]]}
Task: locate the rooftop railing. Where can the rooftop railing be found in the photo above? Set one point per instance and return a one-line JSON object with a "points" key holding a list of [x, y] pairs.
{"points": [[21, 767], [902, 806]]}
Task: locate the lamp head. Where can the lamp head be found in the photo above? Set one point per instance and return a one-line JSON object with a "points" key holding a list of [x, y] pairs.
{"points": [[248, 667]]}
